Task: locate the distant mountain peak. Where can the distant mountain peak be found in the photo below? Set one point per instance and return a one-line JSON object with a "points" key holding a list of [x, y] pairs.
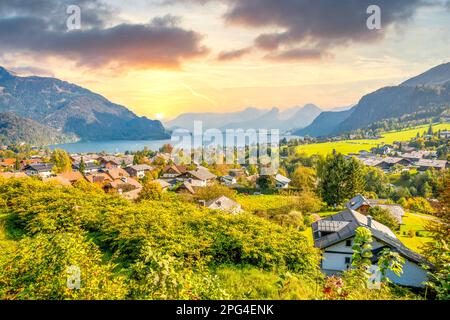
{"points": [[435, 76]]}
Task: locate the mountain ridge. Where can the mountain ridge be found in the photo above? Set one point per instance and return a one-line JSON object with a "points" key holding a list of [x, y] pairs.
{"points": [[73, 110]]}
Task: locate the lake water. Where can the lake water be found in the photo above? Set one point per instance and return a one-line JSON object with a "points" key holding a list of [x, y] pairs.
{"points": [[117, 146]]}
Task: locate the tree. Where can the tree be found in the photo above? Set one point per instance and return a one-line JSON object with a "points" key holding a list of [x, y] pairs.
{"points": [[266, 182], [61, 161], [151, 190], [389, 260], [214, 191], [340, 179], [82, 167], [385, 217], [376, 181], [17, 164], [438, 251], [304, 179]]}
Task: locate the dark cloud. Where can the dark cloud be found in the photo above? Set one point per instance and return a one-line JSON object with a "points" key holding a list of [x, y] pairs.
{"points": [[40, 29], [233, 54], [299, 55], [309, 26]]}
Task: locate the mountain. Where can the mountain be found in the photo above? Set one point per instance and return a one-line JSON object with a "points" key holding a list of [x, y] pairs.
{"points": [[250, 118], [436, 76], [15, 130], [213, 120], [73, 110], [325, 124], [422, 97]]}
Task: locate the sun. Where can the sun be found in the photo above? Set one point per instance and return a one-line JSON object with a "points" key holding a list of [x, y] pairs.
{"points": [[159, 116]]}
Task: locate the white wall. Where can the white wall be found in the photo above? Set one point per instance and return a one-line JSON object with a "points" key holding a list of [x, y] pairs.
{"points": [[333, 259]]}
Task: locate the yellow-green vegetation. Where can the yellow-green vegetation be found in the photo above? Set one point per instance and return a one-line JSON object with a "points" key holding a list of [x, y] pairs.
{"points": [[412, 233], [353, 146], [152, 249]]}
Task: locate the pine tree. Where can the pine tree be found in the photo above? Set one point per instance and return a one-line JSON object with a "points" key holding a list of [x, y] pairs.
{"points": [[82, 167]]}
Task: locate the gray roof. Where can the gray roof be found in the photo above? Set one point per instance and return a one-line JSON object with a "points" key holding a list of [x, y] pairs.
{"points": [[282, 179], [202, 174], [432, 163], [40, 167], [355, 220], [142, 167]]}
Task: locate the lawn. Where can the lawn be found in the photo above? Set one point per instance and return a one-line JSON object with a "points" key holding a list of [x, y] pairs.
{"points": [[416, 223], [354, 146]]}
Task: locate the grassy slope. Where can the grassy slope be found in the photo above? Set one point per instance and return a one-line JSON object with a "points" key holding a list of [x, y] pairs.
{"points": [[350, 146]]}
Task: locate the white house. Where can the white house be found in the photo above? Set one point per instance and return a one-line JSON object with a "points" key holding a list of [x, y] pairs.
{"points": [[282, 182], [200, 177], [225, 204], [335, 235], [43, 170], [139, 170]]}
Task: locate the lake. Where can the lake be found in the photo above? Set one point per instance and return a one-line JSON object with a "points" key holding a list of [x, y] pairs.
{"points": [[117, 146]]}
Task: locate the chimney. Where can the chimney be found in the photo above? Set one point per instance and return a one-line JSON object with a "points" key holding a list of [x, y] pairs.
{"points": [[124, 179], [369, 221], [202, 203]]}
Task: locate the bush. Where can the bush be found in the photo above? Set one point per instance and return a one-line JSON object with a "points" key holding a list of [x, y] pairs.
{"points": [[385, 217]]}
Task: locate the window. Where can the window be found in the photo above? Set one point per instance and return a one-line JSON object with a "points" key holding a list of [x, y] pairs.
{"points": [[348, 260], [348, 243]]}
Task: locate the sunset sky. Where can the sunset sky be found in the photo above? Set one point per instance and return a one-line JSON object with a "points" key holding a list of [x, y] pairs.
{"points": [[161, 58]]}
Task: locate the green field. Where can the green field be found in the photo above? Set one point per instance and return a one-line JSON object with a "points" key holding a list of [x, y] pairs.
{"points": [[353, 146]]}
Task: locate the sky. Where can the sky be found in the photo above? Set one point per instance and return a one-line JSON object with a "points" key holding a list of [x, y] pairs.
{"points": [[161, 58]]}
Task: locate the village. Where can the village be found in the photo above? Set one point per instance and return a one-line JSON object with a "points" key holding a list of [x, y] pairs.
{"points": [[127, 174]]}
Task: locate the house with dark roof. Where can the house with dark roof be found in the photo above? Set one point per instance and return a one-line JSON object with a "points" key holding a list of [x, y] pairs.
{"points": [[362, 205], [335, 235], [426, 164], [43, 170]]}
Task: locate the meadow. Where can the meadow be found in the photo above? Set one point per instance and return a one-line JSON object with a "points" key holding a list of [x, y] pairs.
{"points": [[354, 146]]}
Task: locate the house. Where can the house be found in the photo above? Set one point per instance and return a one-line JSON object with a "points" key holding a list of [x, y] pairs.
{"points": [[224, 204], [126, 187], [89, 167], [43, 170], [186, 187], [388, 163], [362, 205], [72, 177], [228, 180], [335, 235], [173, 171], [371, 161], [115, 162], [236, 173], [201, 177], [444, 134], [426, 164], [282, 182], [99, 177], [139, 170], [117, 173], [7, 162], [164, 184], [17, 174]]}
